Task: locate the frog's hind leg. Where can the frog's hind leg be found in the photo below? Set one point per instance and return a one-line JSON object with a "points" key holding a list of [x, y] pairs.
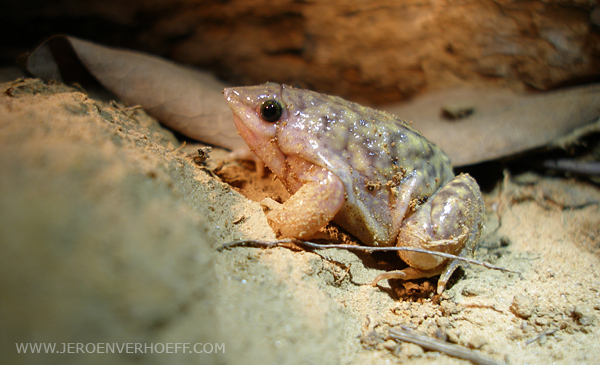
{"points": [[450, 222]]}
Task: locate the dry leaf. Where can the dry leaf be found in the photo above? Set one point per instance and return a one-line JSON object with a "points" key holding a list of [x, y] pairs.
{"points": [[186, 100], [499, 123], [502, 123]]}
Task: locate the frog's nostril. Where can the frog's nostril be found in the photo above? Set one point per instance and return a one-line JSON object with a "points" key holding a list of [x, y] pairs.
{"points": [[231, 94]]}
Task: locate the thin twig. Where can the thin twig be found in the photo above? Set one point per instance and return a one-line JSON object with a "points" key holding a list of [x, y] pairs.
{"points": [[433, 344], [549, 332], [590, 168], [360, 248]]}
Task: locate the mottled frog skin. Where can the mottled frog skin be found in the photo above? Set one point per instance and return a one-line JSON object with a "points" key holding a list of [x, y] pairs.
{"points": [[368, 171]]}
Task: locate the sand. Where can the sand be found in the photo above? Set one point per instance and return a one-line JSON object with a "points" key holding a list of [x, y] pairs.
{"points": [[109, 229]]}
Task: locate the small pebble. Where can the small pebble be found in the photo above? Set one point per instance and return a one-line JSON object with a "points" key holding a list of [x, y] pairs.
{"points": [[476, 341], [449, 308], [411, 350], [522, 306], [453, 335], [584, 314], [472, 289], [389, 345]]}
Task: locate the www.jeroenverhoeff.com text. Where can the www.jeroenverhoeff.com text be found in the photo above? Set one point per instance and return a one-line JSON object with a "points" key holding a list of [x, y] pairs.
{"points": [[119, 348]]}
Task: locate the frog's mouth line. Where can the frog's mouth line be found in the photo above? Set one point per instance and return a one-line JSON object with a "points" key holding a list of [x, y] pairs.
{"points": [[245, 132], [240, 112], [258, 136]]}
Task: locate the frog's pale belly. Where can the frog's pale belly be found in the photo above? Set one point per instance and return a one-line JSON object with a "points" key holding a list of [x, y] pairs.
{"points": [[387, 170]]}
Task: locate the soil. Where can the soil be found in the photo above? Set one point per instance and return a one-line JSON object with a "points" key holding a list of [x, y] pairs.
{"points": [[109, 230]]}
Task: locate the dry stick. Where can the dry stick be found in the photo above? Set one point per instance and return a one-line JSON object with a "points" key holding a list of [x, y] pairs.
{"points": [[360, 248], [547, 333], [441, 346]]}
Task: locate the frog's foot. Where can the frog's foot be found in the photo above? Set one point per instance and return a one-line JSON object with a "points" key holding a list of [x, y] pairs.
{"points": [[410, 273], [309, 209], [446, 273], [270, 203], [273, 205]]}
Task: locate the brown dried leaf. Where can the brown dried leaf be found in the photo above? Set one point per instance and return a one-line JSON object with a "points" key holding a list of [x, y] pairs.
{"points": [[499, 123], [186, 100], [502, 123]]}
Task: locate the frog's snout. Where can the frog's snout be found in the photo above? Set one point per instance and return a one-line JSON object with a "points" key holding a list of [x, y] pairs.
{"points": [[229, 94]]}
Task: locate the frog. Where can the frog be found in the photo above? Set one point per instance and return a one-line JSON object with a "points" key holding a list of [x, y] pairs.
{"points": [[368, 171]]}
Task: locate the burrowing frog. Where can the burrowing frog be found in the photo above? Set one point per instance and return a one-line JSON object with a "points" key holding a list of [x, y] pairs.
{"points": [[366, 170]]}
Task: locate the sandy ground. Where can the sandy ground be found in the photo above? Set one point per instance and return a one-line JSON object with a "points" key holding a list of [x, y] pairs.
{"points": [[108, 230]]}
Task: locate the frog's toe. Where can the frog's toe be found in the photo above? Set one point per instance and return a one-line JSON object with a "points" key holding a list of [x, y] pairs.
{"points": [[270, 203], [446, 274], [396, 274], [410, 273]]}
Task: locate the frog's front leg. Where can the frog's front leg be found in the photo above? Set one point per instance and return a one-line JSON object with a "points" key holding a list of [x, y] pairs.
{"points": [[310, 208], [450, 222]]}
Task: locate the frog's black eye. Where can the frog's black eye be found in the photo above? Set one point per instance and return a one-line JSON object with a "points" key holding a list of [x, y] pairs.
{"points": [[271, 111]]}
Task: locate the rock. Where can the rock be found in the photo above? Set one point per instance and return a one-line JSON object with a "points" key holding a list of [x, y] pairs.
{"points": [[453, 335], [584, 314], [476, 341], [449, 308], [522, 306], [411, 350]]}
